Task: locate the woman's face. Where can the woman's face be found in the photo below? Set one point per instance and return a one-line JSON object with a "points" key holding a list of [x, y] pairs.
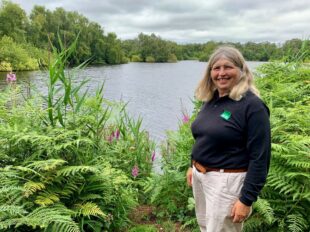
{"points": [[225, 75]]}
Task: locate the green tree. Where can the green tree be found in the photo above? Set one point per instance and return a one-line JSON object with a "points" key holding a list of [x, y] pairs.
{"points": [[17, 56], [13, 20], [154, 46], [208, 49], [296, 48], [38, 29], [114, 53], [93, 34], [46, 26]]}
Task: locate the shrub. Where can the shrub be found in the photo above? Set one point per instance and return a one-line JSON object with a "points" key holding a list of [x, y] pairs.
{"points": [[172, 58], [125, 60], [136, 58], [5, 66], [169, 191], [284, 203], [17, 56], [52, 194], [150, 59]]}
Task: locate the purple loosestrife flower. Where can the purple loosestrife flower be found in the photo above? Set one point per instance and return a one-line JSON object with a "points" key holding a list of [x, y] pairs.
{"points": [[117, 133], [10, 77], [153, 156], [185, 118], [135, 171], [114, 136]]}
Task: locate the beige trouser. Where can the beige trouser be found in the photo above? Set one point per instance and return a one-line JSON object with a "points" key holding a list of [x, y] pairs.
{"points": [[215, 194]]}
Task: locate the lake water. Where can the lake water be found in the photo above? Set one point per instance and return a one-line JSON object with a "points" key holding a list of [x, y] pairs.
{"points": [[158, 92]]}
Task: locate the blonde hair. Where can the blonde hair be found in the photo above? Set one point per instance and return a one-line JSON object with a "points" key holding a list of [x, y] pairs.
{"points": [[206, 88]]}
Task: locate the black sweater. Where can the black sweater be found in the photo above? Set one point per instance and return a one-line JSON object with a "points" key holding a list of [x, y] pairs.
{"points": [[235, 134]]}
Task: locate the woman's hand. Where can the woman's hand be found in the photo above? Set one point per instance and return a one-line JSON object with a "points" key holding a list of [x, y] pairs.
{"points": [[189, 177], [240, 212]]}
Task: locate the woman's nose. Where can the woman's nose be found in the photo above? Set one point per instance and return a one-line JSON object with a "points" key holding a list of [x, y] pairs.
{"points": [[222, 71]]}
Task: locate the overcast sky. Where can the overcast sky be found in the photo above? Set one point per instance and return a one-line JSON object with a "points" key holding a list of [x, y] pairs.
{"points": [[194, 21]]}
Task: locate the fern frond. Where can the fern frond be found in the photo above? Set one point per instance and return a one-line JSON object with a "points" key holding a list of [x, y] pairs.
{"points": [[89, 209], [296, 223], [299, 174], [9, 176], [263, 207], [283, 184], [73, 170], [300, 164], [49, 211], [48, 216], [114, 175], [76, 143], [67, 188], [31, 187], [63, 225], [91, 197], [5, 224], [26, 170], [290, 181], [10, 194], [13, 210], [46, 165], [279, 148], [46, 199], [254, 224], [53, 218]]}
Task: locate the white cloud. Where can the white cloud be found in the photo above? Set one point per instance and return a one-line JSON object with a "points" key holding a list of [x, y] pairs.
{"points": [[187, 21]]}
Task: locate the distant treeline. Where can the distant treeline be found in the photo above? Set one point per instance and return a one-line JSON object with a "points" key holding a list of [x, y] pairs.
{"points": [[26, 42], [145, 46]]}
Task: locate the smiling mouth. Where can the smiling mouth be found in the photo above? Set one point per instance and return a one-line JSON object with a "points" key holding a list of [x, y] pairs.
{"points": [[223, 78]]}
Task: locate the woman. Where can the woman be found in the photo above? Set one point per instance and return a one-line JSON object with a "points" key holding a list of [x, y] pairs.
{"points": [[231, 154]]}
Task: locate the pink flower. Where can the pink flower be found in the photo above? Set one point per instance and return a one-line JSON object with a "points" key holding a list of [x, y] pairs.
{"points": [[117, 133], [135, 171], [153, 156], [185, 118], [10, 77], [114, 136]]}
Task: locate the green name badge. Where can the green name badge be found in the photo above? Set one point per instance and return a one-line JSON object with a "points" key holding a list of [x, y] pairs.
{"points": [[226, 115]]}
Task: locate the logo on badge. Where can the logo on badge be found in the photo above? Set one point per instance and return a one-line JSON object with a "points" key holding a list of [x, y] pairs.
{"points": [[226, 115]]}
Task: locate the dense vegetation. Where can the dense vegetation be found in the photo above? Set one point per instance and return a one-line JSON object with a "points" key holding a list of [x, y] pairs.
{"points": [[42, 29], [69, 161], [284, 204], [150, 48], [26, 42]]}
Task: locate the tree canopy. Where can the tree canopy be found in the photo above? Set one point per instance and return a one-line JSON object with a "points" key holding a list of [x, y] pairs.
{"points": [[36, 34]]}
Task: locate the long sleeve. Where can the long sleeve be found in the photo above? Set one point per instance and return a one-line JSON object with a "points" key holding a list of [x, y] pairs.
{"points": [[259, 151]]}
